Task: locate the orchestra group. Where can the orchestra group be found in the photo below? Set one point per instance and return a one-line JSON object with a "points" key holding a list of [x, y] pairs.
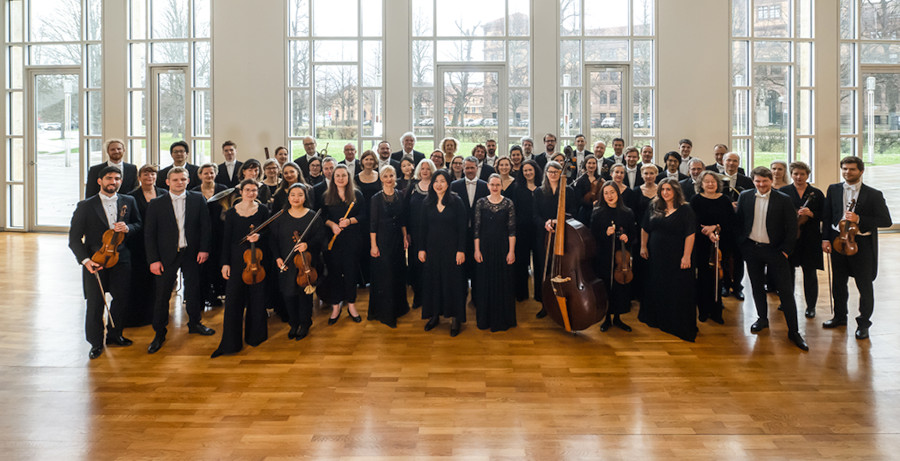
{"points": [[287, 236]]}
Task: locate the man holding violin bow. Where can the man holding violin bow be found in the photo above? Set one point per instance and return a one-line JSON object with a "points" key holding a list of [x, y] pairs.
{"points": [[852, 214], [97, 233]]}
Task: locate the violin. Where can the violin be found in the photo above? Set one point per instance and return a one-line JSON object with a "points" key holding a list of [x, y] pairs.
{"points": [[306, 273], [845, 242], [622, 273], [108, 254], [253, 270], [593, 193], [715, 254]]}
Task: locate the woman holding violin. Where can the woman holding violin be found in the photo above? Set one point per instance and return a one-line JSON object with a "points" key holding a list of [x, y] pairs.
{"points": [[343, 210], [242, 268], [715, 223], [614, 231], [495, 252], [587, 189], [299, 234], [387, 233], [808, 250]]}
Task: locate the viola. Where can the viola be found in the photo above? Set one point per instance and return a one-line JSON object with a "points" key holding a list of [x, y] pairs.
{"points": [[253, 271], [845, 242], [306, 273], [108, 254], [623, 273]]}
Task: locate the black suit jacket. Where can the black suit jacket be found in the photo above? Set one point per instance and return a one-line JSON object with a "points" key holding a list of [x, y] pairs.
{"points": [[715, 169], [664, 174], [486, 172], [541, 160], [129, 179], [417, 156], [161, 229], [638, 179], [733, 190], [222, 175], [89, 223], [481, 190], [318, 193], [781, 219], [193, 176], [303, 162], [871, 208], [687, 187], [392, 162]]}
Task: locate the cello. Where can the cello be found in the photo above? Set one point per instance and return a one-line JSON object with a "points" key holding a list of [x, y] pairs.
{"points": [[579, 297]]}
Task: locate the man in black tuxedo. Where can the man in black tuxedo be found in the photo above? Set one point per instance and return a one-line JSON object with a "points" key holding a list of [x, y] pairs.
{"points": [[408, 141], [92, 218], [115, 151], [719, 151], [353, 166], [647, 159], [179, 151], [483, 171], [318, 191], [309, 145], [384, 157], [870, 212], [673, 168], [579, 153], [470, 189], [632, 168], [230, 169], [685, 146], [527, 148], [491, 158], [767, 226], [549, 150], [688, 186], [733, 183], [618, 156], [177, 236]]}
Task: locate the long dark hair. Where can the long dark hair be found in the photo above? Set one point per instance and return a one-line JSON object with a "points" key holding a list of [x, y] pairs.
{"points": [[658, 205], [431, 199], [546, 185], [331, 195], [602, 201], [307, 199], [538, 173]]}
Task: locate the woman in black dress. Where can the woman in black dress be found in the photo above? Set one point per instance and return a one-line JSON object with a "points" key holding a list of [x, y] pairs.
{"points": [[368, 183], [527, 245], [290, 175], [517, 158], [143, 282], [271, 179], [495, 252], [286, 230], [715, 215], [437, 157], [315, 171], [405, 176], [508, 183], [444, 223], [546, 204], [612, 224], [240, 221], [617, 174], [415, 206], [387, 233], [585, 187], [251, 170], [640, 203], [211, 280], [667, 240], [456, 168], [808, 250], [342, 259]]}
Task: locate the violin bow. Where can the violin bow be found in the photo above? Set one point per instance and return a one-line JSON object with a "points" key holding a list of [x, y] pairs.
{"points": [[333, 238], [294, 249], [612, 260], [262, 226], [716, 273], [105, 303]]}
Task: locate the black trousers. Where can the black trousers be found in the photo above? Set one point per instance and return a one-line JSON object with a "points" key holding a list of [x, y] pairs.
{"points": [[116, 281], [239, 296], [810, 284], [734, 269], [299, 309], [861, 267], [193, 294], [762, 257]]}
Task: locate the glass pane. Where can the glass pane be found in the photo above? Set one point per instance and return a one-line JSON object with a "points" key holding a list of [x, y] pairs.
{"points": [[138, 151], [300, 113], [605, 50], [14, 20], [805, 112], [570, 17], [57, 179], [170, 104], [879, 20], [138, 13], [336, 50], [570, 108], [299, 62], [805, 64], [880, 143], [372, 116], [54, 55], [570, 62], [371, 14], [169, 53], [772, 51], [94, 66], [472, 103], [880, 53], [336, 104], [169, 19], [772, 106], [606, 18], [94, 113], [470, 50], [94, 148], [519, 113], [202, 152], [740, 63], [804, 19], [137, 65], [137, 125], [740, 120], [94, 19], [55, 21], [848, 19], [16, 160], [606, 110], [297, 148], [202, 112], [476, 19], [848, 147], [422, 63], [740, 15], [642, 13], [201, 64], [519, 17], [298, 18], [335, 18], [16, 69], [848, 64], [202, 18], [642, 63], [642, 112], [742, 146], [422, 18], [772, 18], [423, 112], [16, 210], [848, 112], [518, 63], [804, 150], [371, 63], [17, 110]]}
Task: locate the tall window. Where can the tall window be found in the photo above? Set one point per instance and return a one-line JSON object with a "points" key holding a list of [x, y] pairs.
{"points": [[471, 71], [54, 37], [169, 85], [772, 81], [607, 70], [335, 65]]}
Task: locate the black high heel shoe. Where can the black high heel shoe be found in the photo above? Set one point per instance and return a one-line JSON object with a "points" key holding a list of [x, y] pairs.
{"points": [[292, 333], [333, 320], [454, 327], [432, 323], [355, 318]]}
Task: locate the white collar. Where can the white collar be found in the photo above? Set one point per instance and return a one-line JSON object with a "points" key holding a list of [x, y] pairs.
{"points": [[178, 197], [117, 165], [764, 196], [114, 198]]}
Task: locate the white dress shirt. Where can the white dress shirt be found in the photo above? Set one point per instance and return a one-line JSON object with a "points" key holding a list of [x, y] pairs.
{"points": [[229, 166], [685, 166], [758, 232], [631, 174], [490, 160], [178, 204], [351, 167], [383, 162], [851, 193], [109, 207], [470, 189], [120, 165]]}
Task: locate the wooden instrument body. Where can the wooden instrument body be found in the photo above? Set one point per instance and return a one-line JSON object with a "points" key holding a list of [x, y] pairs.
{"points": [[845, 242], [108, 254], [253, 272], [622, 273], [306, 273]]}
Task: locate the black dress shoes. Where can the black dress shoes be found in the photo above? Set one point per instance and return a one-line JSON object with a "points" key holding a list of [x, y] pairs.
{"points": [[798, 340], [718, 319], [118, 341], [834, 323], [333, 320], [619, 323], [95, 352], [739, 295], [292, 333], [355, 318], [759, 325], [723, 292], [200, 329], [862, 333], [810, 312], [606, 324], [302, 333], [541, 313], [454, 327], [155, 345], [432, 323]]}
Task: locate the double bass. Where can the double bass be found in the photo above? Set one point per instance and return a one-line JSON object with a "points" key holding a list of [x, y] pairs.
{"points": [[579, 297]]}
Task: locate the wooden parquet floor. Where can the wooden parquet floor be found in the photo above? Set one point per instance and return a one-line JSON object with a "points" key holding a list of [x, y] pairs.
{"points": [[365, 391]]}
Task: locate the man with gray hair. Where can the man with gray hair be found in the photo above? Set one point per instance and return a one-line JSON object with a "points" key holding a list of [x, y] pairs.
{"points": [[350, 160], [527, 144], [408, 141], [689, 185], [309, 145]]}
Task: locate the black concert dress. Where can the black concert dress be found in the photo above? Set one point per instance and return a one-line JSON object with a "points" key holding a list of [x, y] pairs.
{"points": [[527, 247], [444, 283], [415, 206], [495, 303], [808, 253], [143, 283], [387, 291], [710, 212], [342, 261], [603, 217], [298, 304]]}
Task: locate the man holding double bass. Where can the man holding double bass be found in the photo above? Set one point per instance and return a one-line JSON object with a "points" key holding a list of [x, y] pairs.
{"points": [[93, 217]]}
